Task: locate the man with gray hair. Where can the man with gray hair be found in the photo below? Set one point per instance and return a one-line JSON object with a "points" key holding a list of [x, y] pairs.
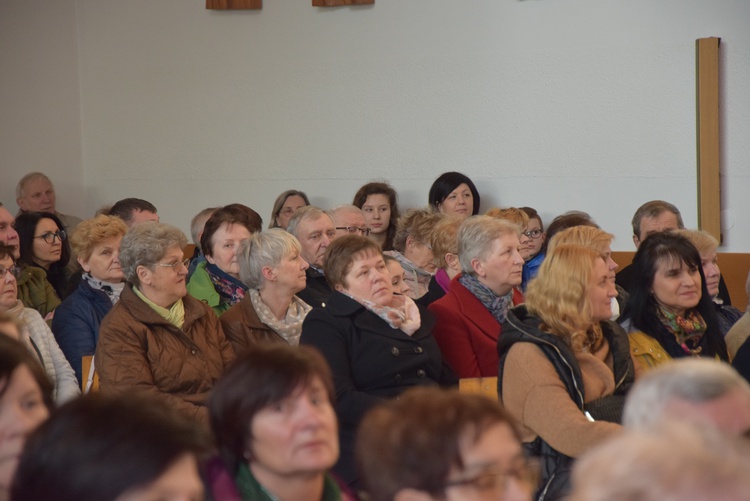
{"points": [[35, 193], [349, 220], [698, 391], [315, 229]]}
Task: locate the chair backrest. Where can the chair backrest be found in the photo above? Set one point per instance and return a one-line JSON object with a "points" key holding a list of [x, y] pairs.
{"points": [[91, 381]]}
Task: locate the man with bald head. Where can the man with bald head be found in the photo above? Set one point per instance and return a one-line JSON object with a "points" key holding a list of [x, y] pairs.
{"points": [[35, 193], [349, 220]]}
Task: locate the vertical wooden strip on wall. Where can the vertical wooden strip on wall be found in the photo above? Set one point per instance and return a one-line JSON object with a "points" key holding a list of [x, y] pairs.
{"points": [[707, 97], [234, 4]]}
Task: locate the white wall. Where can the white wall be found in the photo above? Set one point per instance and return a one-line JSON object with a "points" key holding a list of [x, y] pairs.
{"points": [[557, 104]]}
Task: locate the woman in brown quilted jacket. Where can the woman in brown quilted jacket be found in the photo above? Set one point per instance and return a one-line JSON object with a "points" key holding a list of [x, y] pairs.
{"points": [[157, 339]]}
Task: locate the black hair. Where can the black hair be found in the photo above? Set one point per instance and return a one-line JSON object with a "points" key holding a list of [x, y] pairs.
{"points": [[96, 447], [26, 224], [641, 308], [445, 184], [125, 208]]}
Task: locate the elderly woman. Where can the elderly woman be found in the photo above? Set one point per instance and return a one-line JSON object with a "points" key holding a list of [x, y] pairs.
{"points": [[670, 313], [284, 207], [413, 251], [25, 402], [378, 344], [444, 244], [35, 332], [275, 427], [564, 366], [157, 339], [442, 445], [274, 271], [43, 243], [379, 204], [454, 193], [96, 242], [216, 281], [469, 315], [707, 245], [112, 449]]}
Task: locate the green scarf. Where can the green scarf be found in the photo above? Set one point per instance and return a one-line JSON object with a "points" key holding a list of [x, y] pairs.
{"points": [[251, 490], [174, 315]]}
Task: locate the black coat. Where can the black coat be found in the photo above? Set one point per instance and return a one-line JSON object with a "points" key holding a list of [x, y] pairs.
{"points": [[316, 290], [370, 361]]}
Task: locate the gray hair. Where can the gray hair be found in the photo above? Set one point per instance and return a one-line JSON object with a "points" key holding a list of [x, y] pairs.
{"points": [[198, 222], [265, 248], [306, 213], [695, 380], [31, 176], [346, 208], [145, 244], [653, 209], [475, 238]]}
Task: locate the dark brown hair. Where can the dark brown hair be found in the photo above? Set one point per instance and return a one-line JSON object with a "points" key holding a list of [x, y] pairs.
{"points": [[229, 214], [341, 254], [14, 354], [377, 188]]}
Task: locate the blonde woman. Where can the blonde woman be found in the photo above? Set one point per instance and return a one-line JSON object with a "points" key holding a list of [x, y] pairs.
{"points": [[564, 366]]}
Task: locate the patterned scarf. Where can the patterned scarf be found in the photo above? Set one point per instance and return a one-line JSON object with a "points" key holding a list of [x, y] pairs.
{"points": [[402, 313], [112, 290], [290, 328], [688, 331], [497, 305], [229, 288]]}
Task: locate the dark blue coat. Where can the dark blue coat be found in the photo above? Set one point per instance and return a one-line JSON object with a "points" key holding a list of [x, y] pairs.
{"points": [[76, 323]]}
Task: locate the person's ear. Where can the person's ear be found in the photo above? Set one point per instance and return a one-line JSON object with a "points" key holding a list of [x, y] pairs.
{"points": [[636, 241], [409, 242], [452, 261], [268, 273], [478, 267], [144, 275], [84, 264], [21, 202]]}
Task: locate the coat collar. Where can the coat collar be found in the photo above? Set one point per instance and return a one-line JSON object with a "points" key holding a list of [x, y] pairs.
{"points": [[145, 314]]}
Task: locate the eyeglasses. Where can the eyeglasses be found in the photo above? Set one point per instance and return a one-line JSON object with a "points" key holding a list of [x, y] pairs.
{"points": [[288, 211], [533, 233], [50, 237], [354, 229], [176, 266], [527, 473], [14, 270]]}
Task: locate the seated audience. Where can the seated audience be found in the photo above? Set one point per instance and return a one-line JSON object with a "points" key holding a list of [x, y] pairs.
{"points": [[470, 314], [157, 339], [706, 244], [740, 331], [35, 193], [397, 275], [216, 281], [669, 313], [444, 243], [196, 231], [284, 207], [378, 344], [537, 237], [652, 217], [35, 332], [134, 211], [379, 204], [26, 398], [454, 193], [701, 392], [275, 427], [412, 249], [600, 241], [103, 448], [34, 290], [315, 231], [349, 220], [564, 366], [271, 266], [96, 242], [43, 243], [432, 444], [677, 463]]}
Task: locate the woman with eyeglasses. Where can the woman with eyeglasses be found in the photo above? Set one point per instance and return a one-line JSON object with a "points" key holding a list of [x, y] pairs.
{"points": [[284, 207], [43, 243], [379, 204], [432, 444], [34, 332], [157, 339], [96, 243], [216, 281], [413, 251]]}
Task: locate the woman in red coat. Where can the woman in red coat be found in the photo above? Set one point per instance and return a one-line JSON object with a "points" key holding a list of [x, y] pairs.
{"points": [[469, 315]]}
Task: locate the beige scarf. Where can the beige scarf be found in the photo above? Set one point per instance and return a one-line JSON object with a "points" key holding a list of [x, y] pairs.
{"points": [[290, 327]]}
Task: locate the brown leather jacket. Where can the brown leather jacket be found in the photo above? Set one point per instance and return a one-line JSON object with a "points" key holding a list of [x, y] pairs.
{"points": [[243, 327], [138, 350]]}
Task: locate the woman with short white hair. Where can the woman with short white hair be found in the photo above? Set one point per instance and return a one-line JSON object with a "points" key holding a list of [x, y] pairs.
{"points": [[478, 299], [274, 271]]}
